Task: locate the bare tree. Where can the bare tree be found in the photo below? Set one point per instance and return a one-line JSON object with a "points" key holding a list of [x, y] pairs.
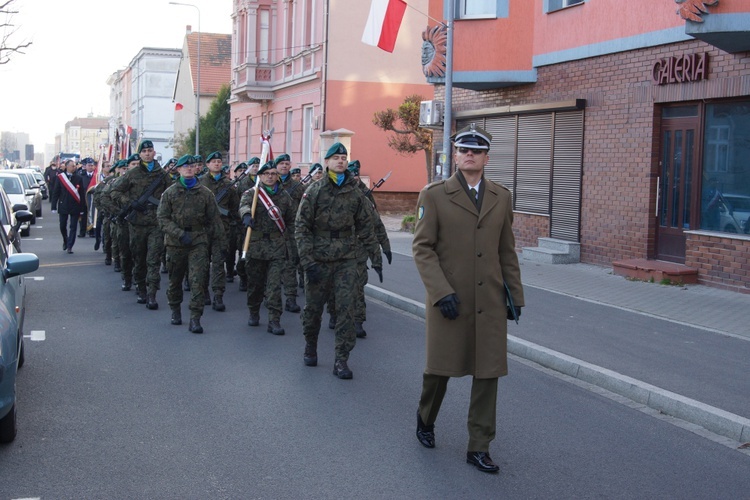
{"points": [[408, 137], [7, 49]]}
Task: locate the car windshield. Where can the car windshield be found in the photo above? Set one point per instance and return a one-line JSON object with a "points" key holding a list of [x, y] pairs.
{"points": [[24, 180], [12, 185]]}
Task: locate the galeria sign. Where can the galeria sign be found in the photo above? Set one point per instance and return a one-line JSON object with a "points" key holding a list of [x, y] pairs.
{"points": [[680, 69]]}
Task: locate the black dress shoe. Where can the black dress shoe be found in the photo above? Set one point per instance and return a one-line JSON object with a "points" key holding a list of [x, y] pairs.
{"points": [[482, 461], [425, 433], [65, 247], [70, 251], [341, 370]]}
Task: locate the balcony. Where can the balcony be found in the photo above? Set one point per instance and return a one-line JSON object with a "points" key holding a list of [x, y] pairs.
{"points": [[728, 32], [252, 82]]}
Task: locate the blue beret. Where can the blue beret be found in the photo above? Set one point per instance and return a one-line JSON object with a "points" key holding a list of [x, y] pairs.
{"points": [[336, 149]]}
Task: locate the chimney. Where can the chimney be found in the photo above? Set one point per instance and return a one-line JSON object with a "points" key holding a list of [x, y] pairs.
{"points": [[188, 29]]}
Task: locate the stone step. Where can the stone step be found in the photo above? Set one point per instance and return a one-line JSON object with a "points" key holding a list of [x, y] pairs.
{"points": [[656, 271], [547, 256], [570, 247]]}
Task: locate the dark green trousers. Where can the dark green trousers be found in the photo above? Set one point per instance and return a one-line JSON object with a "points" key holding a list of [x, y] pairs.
{"points": [[482, 407]]}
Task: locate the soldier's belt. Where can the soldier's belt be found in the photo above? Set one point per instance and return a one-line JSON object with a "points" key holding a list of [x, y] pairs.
{"points": [[333, 234], [193, 228], [257, 235]]}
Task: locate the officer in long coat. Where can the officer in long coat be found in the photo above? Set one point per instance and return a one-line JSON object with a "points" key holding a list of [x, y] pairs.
{"points": [[464, 250]]}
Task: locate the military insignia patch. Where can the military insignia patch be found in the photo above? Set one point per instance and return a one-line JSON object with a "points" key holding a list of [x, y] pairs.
{"points": [[421, 212]]}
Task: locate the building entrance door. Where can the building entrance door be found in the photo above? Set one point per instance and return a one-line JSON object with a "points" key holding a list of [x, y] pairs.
{"points": [[679, 134]]}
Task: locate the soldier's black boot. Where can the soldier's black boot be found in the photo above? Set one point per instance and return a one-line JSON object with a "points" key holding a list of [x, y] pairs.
{"points": [[108, 259], [254, 319], [361, 333], [117, 266], [275, 328], [126, 284], [218, 304], [243, 283], [311, 354], [142, 299], [332, 322], [186, 285], [206, 298], [291, 305], [341, 370], [176, 317], [151, 304], [195, 325]]}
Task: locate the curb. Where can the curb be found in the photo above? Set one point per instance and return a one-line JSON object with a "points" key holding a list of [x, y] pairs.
{"points": [[709, 417]]}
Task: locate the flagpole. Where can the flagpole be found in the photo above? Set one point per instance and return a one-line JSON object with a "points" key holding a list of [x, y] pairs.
{"points": [[448, 109]]}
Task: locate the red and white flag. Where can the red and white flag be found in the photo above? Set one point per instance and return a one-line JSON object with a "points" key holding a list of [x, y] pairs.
{"points": [[383, 23]]}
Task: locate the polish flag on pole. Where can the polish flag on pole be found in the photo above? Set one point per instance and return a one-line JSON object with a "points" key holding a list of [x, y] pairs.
{"points": [[383, 23]]}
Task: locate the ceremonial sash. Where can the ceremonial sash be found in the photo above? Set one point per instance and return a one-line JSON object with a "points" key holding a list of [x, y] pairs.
{"points": [[69, 187], [273, 211]]}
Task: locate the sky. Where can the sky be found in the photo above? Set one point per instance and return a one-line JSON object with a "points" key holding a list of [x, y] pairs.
{"points": [[76, 46]]}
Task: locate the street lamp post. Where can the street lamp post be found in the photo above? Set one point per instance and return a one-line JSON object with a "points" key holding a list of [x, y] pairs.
{"points": [[198, 80]]}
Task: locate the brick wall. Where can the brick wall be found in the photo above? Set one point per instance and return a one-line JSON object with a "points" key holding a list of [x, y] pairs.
{"points": [[393, 202], [621, 143], [528, 228], [722, 262]]}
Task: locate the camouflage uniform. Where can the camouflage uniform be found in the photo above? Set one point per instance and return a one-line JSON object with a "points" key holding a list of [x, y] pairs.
{"points": [[330, 220], [228, 208], [103, 217], [268, 251], [120, 238], [146, 238], [195, 211], [289, 278], [246, 183]]}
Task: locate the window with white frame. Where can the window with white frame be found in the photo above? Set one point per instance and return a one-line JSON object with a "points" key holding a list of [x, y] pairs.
{"points": [[476, 9], [554, 5], [307, 134], [288, 131], [236, 140], [249, 137], [264, 35]]}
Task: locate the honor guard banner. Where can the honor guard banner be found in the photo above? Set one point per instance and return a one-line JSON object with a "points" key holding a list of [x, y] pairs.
{"points": [[383, 23]]}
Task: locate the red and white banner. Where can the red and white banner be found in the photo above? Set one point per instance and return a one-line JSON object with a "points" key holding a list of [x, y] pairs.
{"points": [[383, 23], [69, 187]]}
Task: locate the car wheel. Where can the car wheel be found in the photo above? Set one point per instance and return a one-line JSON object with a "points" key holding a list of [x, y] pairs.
{"points": [[21, 356], [33, 220], [8, 426], [26, 232], [39, 211]]}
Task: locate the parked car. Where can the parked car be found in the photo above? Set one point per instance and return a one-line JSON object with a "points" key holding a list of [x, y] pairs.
{"points": [[13, 188], [33, 191], [42, 185], [12, 312], [8, 219], [734, 213]]}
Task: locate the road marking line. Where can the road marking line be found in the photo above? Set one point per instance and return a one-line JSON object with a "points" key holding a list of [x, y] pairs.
{"points": [[36, 335], [71, 264], [36, 278], [34, 239]]}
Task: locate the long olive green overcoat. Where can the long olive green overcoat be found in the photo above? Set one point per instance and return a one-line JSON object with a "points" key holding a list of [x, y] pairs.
{"points": [[459, 249]]}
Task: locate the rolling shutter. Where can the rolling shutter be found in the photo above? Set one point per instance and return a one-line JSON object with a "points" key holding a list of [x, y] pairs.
{"points": [[565, 219], [533, 163]]}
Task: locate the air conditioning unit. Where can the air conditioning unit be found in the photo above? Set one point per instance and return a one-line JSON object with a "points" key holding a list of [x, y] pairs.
{"points": [[431, 114]]}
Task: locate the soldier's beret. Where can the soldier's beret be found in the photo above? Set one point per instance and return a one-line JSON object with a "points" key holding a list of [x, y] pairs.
{"points": [[473, 137], [225, 169], [295, 170], [269, 165], [145, 144], [241, 166], [87, 161], [253, 161], [336, 149], [197, 158], [282, 157], [353, 167], [185, 160], [170, 162], [315, 167], [133, 157], [121, 163], [213, 155], [114, 166]]}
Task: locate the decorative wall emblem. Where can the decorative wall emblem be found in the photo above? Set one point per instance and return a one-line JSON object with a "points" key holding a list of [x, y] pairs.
{"points": [[434, 50], [693, 10]]}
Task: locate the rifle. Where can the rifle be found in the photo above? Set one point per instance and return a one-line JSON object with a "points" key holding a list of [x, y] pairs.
{"points": [[301, 182], [128, 213], [224, 192], [379, 183]]}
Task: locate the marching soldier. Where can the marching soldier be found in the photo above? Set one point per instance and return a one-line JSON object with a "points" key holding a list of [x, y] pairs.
{"points": [[104, 214], [295, 190], [268, 251], [331, 216], [316, 172], [221, 186], [138, 190], [189, 217]]}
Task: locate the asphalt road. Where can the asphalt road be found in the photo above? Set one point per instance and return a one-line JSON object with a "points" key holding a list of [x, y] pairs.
{"points": [[117, 403]]}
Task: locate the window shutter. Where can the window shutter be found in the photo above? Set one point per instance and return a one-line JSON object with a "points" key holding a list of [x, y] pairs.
{"points": [[533, 163], [501, 167], [565, 219]]}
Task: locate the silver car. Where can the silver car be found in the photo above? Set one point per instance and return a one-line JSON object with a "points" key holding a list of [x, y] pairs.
{"points": [[32, 193]]}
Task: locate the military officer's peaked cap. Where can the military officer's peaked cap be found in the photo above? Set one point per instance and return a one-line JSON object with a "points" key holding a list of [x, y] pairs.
{"points": [[133, 157], [336, 149], [145, 144], [295, 170], [282, 157], [353, 167], [269, 165], [241, 166], [87, 161], [213, 155], [472, 137], [315, 167], [254, 160], [185, 160]]}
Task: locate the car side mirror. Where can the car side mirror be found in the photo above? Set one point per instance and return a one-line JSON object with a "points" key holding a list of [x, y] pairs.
{"points": [[23, 215], [20, 263], [19, 207]]}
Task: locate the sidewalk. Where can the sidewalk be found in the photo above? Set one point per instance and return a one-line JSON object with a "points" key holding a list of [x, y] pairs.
{"points": [[722, 316]]}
